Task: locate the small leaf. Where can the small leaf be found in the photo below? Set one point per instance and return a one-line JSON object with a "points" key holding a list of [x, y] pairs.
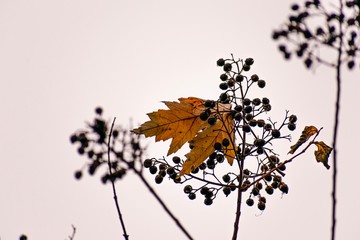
{"points": [[305, 135], [323, 152]]}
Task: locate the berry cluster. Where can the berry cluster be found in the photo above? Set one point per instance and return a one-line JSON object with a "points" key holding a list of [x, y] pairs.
{"points": [[306, 40], [93, 143], [251, 138]]}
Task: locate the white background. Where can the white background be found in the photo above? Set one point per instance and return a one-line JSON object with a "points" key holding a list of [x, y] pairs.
{"points": [[61, 59]]}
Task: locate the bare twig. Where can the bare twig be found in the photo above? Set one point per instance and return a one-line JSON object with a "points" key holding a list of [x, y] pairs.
{"points": [[73, 233], [126, 236]]}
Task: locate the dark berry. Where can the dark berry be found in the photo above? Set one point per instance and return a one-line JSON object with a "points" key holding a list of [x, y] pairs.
{"points": [[267, 126], [261, 83], [275, 133], [227, 190], [283, 187], [192, 196], [238, 108], [170, 171], [291, 126], [204, 190], [208, 201], [268, 177], [78, 175], [226, 142], [247, 101], [226, 178], [227, 67], [153, 169], [217, 146], [231, 82], [239, 78], [256, 101], [294, 7], [212, 120], [351, 64], [269, 190], [176, 159], [223, 77], [238, 117], [147, 163], [292, 118], [73, 138], [158, 178], [252, 122], [232, 186], [308, 62], [249, 116], [98, 110], [223, 86], [265, 100], [255, 191], [261, 205], [220, 158], [209, 104], [259, 142], [204, 115], [254, 77], [224, 97], [248, 109], [249, 61], [250, 202], [162, 173], [282, 167], [260, 123], [220, 62], [246, 67], [267, 107], [195, 170], [188, 189], [162, 166], [260, 150], [202, 166], [246, 128], [259, 185]]}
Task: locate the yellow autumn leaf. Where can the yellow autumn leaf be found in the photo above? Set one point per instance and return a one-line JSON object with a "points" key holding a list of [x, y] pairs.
{"points": [[305, 135], [203, 144], [180, 122], [323, 152]]}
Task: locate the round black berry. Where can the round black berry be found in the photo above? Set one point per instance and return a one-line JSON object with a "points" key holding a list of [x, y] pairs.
{"points": [[98, 110], [212, 120], [188, 189], [254, 77], [275, 133], [204, 190], [204, 115], [291, 126], [265, 100], [269, 190], [246, 128], [223, 86], [261, 83], [208, 201], [246, 67], [220, 62], [293, 119], [249, 61], [256, 101], [226, 178], [153, 169], [158, 178], [227, 67], [247, 101], [239, 78], [248, 109], [192, 196], [147, 163], [227, 190], [261, 205], [78, 174], [250, 202], [176, 159], [223, 77], [283, 187]]}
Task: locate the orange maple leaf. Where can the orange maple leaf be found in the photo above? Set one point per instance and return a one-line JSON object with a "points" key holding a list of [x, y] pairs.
{"points": [[182, 123]]}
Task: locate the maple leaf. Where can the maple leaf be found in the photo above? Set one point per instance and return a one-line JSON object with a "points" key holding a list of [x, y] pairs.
{"points": [[180, 122], [305, 135], [323, 152], [203, 144]]}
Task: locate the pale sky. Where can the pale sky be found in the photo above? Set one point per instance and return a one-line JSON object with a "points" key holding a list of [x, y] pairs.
{"points": [[61, 59]]}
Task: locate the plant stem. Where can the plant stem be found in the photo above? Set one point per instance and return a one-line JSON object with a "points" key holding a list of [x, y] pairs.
{"points": [[126, 236], [336, 124]]}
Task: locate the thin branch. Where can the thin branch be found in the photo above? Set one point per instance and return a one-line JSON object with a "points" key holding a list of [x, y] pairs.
{"points": [[126, 236], [73, 233], [336, 124], [167, 210]]}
